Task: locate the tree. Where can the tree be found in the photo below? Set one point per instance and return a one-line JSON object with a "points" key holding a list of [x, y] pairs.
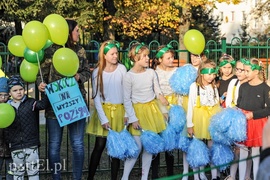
{"points": [[28, 10], [262, 9], [205, 22]]}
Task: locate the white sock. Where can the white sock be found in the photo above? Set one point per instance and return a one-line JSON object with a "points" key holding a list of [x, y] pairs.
{"points": [[242, 164], [234, 166], [129, 163], [256, 160], [196, 175], [185, 166], [146, 163]]}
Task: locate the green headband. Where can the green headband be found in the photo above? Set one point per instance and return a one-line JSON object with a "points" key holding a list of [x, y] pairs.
{"points": [[139, 46], [111, 45], [163, 50], [224, 62], [253, 66], [209, 71]]}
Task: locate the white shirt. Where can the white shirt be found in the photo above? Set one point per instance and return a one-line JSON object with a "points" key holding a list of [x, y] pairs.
{"points": [[112, 87], [163, 78], [139, 88], [208, 97]]}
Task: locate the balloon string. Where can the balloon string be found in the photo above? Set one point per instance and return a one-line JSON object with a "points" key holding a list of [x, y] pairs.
{"points": [[40, 72]]}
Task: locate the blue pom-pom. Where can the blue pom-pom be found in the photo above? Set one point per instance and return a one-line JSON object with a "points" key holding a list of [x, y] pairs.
{"points": [[238, 130], [219, 137], [183, 143], [152, 142], [132, 150], [177, 118], [168, 136], [221, 121], [182, 78], [228, 126], [221, 155], [198, 153], [115, 145]]}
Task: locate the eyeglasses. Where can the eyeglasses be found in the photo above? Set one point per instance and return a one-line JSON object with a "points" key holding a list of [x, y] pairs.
{"points": [[239, 70]]}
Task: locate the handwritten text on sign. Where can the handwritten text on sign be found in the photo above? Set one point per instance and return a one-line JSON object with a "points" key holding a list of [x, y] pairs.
{"points": [[67, 101]]}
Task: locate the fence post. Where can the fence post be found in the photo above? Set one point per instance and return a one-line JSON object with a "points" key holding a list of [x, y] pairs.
{"points": [[223, 45]]}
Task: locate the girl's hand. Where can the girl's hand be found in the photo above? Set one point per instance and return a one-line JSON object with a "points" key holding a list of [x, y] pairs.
{"points": [[136, 125], [163, 100], [106, 126], [166, 116], [190, 131], [126, 120], [249, 115], [77, 77]]}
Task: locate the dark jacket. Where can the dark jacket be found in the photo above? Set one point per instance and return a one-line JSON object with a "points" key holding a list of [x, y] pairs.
{"points": [[4, 150], [50, 74], [24, 131]]}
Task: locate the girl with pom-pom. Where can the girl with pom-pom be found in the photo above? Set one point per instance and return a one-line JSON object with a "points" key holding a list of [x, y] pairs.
{"points": [[107, 85], [163, 65], [180, 82], [203, 103], [226, 74], [141, 88], [231, 101], [254, 101]]}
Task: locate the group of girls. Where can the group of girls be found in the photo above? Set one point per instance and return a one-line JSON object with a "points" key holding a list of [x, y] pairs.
{"points": [[141, 99]]}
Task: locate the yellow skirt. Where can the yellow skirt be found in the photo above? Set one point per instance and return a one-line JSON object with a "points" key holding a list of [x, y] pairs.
{"points": [[115, 114], [201, 120], [172, 99], [150, 118]]}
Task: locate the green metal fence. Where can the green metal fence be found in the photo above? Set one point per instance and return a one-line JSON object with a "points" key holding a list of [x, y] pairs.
{"points": [[213, 50]]}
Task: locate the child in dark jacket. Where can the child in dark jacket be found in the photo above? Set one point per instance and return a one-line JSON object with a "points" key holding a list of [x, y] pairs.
{"points": [[23, 134], [5, 157]]}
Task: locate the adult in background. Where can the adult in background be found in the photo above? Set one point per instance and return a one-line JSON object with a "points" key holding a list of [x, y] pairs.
{"points": [[76, 129]]}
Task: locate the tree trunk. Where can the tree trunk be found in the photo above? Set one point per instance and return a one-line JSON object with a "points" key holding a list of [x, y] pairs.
{"points": [[109, 32], [18, 27], [184, 27]]}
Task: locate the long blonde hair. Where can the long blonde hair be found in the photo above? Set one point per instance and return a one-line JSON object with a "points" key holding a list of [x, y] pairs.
{"points": [[101, 66]]}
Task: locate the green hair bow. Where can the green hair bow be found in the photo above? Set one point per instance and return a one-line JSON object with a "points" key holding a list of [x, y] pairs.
{"points": [[224, 62], [163, 50], [253, 66], [110, 45], [139, 46]]}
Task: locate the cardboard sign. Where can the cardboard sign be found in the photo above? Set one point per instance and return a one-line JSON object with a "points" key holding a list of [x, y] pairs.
{"points": [[67, 101]]}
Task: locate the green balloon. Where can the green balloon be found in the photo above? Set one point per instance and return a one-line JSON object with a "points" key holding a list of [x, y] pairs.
{"points": [[28, 71], [33, 57], [48, 44], [7, 115], [194, 41], [66, 62]]}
